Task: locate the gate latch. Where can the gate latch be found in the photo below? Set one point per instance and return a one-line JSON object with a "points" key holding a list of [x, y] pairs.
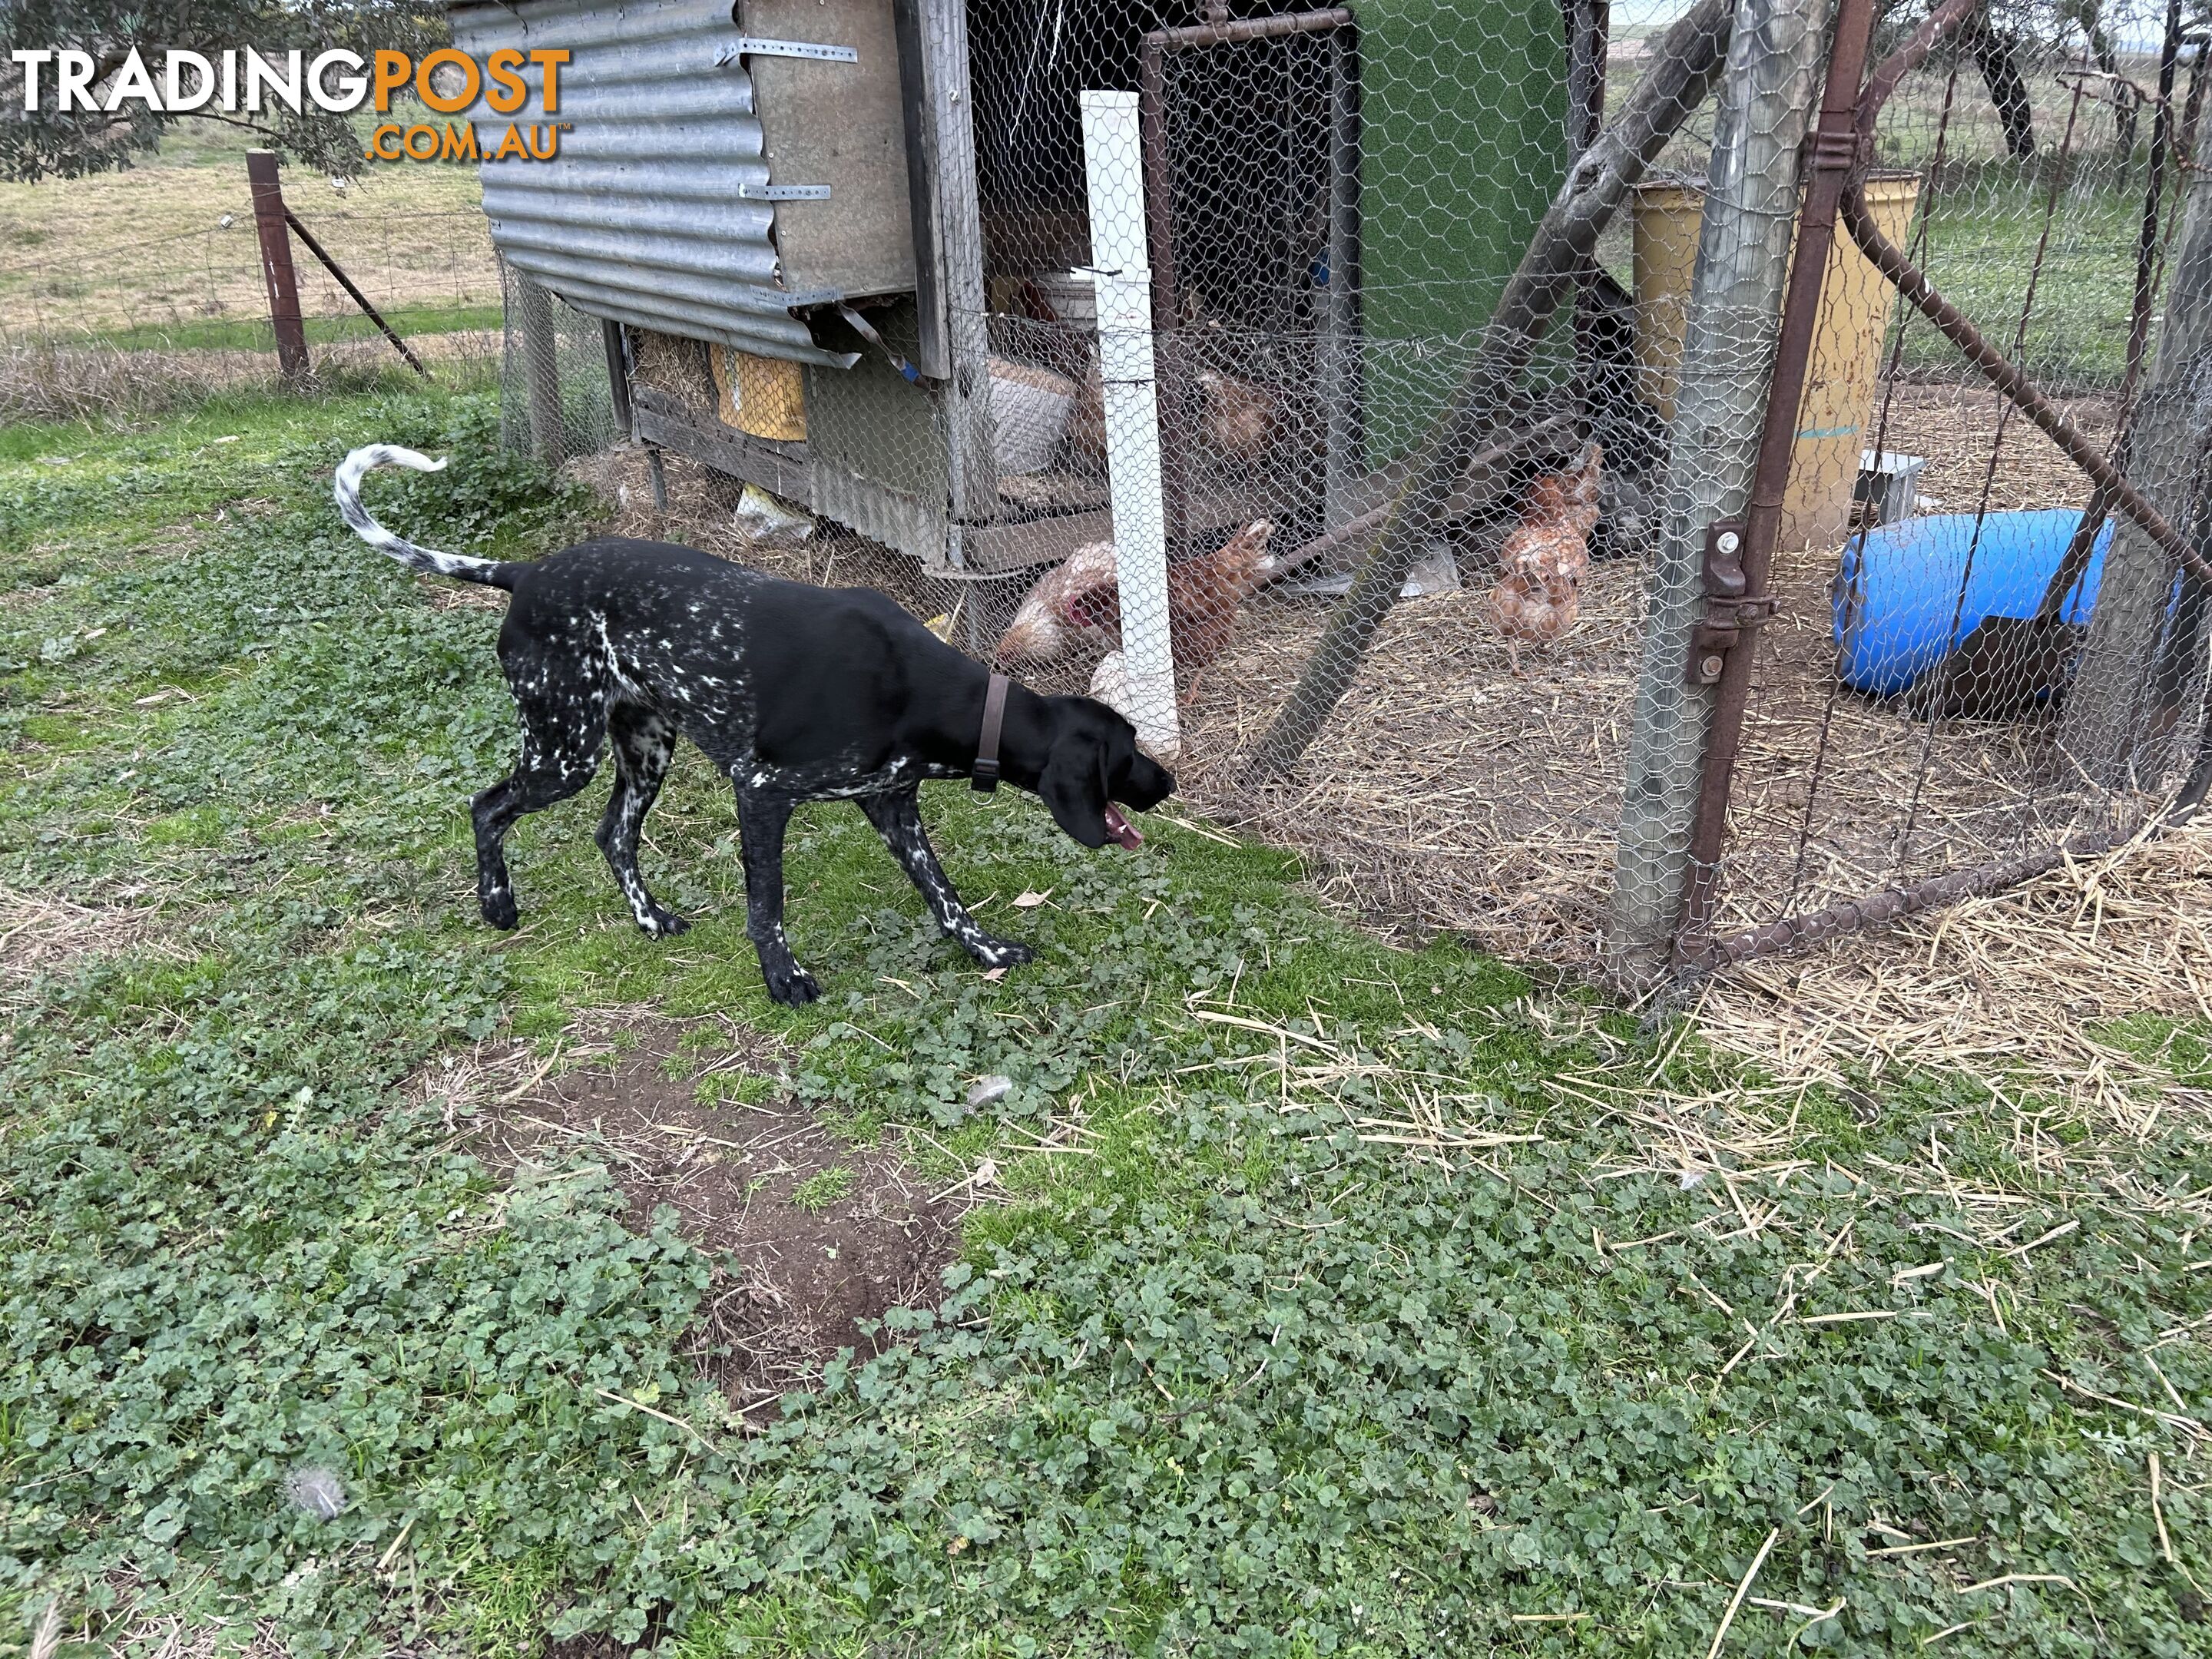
{"points": [[1731, 613]]}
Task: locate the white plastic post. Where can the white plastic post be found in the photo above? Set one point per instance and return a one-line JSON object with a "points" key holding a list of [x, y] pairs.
{"points": [[1113, 156]]}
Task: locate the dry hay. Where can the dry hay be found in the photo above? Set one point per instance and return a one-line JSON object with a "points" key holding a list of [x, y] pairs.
{"points": [[1956, 427], [59, 381], [1836, 795], [153, 1632], [700, 514], [2021, 989], [1445, 792], [41, 935]]}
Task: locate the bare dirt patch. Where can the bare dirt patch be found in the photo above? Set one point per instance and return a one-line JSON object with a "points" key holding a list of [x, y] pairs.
{"points": [[815, 1238]]}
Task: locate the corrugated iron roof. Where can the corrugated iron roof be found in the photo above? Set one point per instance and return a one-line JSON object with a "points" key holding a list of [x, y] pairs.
{"points": [[642, 216]]}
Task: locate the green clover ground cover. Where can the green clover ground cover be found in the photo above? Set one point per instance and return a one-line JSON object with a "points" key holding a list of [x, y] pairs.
{"points": [[1256, 1371]]}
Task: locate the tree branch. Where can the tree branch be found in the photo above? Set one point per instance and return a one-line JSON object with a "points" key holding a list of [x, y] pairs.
{"points": [[228, 121]]}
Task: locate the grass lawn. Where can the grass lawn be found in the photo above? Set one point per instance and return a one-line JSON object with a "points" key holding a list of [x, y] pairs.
{"points": [[1400, 1306], [146, 250], [1981, 252], [249, 334]]}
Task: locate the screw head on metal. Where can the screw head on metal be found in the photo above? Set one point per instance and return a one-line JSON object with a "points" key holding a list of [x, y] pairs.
{"points": [[1727, 541], [1712, 666]]}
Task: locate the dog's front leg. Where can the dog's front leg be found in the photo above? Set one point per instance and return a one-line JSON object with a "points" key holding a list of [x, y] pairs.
{"points": [[898, 818], [762, 816]]}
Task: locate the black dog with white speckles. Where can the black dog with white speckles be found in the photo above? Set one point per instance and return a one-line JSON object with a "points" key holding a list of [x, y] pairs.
{"points": [[796, 693]]}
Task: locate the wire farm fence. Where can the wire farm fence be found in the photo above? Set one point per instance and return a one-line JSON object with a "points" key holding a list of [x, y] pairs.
{"points": [[1374, 402], [97, 314]]}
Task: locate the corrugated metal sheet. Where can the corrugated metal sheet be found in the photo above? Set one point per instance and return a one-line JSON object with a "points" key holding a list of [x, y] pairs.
{"points": [[642, 217]]}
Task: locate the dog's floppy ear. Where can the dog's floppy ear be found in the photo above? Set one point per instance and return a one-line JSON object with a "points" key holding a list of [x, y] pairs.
{"points": [[1073, 786]]}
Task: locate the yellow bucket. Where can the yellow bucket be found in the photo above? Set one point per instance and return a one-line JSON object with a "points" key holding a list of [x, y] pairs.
{"points": [[764, 397], [1832, 420]]}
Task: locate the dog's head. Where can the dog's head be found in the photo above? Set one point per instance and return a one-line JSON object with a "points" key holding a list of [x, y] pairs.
{"points": [[1093, 763]]}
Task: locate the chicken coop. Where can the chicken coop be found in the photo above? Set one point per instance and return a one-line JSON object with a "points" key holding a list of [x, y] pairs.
{"points": [[849, 248], [1416, 413]]}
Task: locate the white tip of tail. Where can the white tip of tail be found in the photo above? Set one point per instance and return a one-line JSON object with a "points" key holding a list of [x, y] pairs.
{"points": [[362, 462], [346, 491]]}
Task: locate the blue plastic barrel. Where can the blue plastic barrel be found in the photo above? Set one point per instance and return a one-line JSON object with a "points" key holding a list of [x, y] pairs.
{"points": [[1897, 605]]}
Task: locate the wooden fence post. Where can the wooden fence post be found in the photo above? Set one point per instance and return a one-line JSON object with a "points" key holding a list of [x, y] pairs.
{"points": [[276, 264]]}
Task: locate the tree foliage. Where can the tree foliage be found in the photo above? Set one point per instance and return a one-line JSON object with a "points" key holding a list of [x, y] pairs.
{"points": [[47, 142]]}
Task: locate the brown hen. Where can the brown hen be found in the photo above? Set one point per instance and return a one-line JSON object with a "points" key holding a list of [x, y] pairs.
{"points": [[1077, 604], [1545, 557]]}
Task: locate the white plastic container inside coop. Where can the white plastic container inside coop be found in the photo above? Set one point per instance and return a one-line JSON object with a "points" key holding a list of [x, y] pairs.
{"points": [[1030, 408], [1888, 487], [1072, 296]]}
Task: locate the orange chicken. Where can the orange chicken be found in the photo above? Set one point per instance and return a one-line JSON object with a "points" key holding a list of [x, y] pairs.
{"points": [[1545, 557], [1237, 418], [1078, 604]]}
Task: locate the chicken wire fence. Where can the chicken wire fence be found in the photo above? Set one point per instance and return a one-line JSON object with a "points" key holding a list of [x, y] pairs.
{"points": [[160, 296], [2003, 667], [556, 378], [1375, 388], [1329, 209]]}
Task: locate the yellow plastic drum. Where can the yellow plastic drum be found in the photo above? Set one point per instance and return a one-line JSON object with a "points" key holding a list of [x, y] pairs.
{"points": [[762, 396], [1832, 423]]}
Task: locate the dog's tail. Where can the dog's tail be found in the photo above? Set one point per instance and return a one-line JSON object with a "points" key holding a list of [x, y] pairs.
{"points": [[429, 560]]}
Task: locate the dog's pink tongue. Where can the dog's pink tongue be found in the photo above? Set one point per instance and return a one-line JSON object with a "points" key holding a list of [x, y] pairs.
{"points": [[1120, 829]]}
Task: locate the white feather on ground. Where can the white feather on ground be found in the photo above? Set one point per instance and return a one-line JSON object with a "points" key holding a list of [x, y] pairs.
{"points": [[316, 1490]]}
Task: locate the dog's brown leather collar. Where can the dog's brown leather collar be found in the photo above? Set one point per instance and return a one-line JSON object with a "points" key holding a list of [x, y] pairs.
{"points": [[985, 778]]}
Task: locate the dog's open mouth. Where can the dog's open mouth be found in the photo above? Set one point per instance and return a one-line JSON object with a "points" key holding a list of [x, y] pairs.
{"points": [[1120, 829]]}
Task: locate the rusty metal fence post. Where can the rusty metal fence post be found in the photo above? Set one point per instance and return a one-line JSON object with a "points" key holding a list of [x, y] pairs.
{"points": [[1707, 593], [268, 219]]}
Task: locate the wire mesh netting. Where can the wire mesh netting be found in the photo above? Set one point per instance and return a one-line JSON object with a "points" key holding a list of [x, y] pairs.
{"points": [[145, 287], [556, 385], [1999, 664], [1330, 208], [1354, 396]]}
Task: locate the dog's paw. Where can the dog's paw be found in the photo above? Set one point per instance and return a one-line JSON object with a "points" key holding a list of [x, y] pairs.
{"points": [[498, 908], [793, 987], [663, 924], [1002, 953]]}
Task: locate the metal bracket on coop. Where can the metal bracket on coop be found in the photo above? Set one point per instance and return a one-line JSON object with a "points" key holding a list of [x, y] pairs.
{"points": [[1732, 612], [748, 46]]}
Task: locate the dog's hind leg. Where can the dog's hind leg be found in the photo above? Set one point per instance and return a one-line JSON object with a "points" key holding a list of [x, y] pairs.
{"points": [[762, 818], [898, 818], [643, 743], [560, 739]]}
